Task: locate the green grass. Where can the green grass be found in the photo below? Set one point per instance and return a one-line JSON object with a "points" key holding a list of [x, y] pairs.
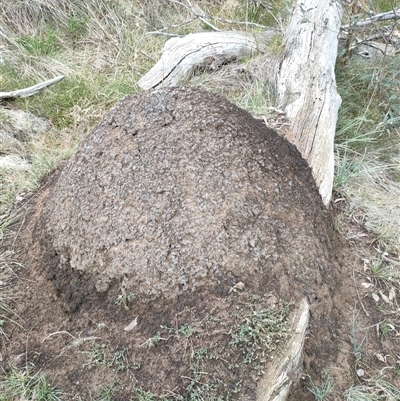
{"points": [[45, 43], [386, 274], [21, 384], [367, 169], [260, 333], [96, 355], [373, 389], [371, 107], [322, 392]]}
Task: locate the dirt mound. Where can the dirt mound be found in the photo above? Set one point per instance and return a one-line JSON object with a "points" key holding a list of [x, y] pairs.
{"points": [[179, 190], [175, 198]]}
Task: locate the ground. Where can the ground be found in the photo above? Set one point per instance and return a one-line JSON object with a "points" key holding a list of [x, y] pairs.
{"points": [[174, 326]]}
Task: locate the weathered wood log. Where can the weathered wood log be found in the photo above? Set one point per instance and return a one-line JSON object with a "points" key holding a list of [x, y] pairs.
{"points": [[32, 90], [282, 372], [306, 85], [180, 56]]}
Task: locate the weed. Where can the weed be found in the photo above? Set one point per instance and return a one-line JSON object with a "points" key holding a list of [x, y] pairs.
{"points": [[256, 99], [198, 391], [321, 392], [3, 335], [22, 384], [346, 170], [386, 329], [142, 395], [373, 389], [356, 345], [124, 299], [367, 167], [261, 332], [384, 273], [106, 393], [151, 342], [200, 353], [96, 355], [119, 361], [257, 12], [77, 27], [187, 330], [276, 44]]}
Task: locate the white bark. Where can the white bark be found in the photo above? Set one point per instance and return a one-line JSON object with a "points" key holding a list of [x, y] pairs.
{"points": [[180, 56], [26, 92], [306, 85], [281, 373]]}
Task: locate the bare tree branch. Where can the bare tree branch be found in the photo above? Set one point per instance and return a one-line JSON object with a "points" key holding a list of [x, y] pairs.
{"points": [[180, 56], [26, 92], [394, 14]]}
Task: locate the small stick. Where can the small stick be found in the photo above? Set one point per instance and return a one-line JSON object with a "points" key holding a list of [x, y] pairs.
{"points": [[32, 90]]}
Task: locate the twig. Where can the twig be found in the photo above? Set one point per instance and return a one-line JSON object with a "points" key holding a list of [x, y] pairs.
{"points": [[197, 12], [228, 21], [31, 90], [161, 31], [172, 35], [390, 260], [358, 294], [58, 332]]}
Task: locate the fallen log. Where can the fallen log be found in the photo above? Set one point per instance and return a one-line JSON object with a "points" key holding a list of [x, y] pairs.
{"points": [[306, 85], [181, 56]]}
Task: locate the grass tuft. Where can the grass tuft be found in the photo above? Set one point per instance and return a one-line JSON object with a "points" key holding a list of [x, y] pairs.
{"points": [[22, 384], [322, 392], [373, 389]]}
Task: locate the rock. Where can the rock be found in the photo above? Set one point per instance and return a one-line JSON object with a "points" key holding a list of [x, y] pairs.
{"points": [[21, 125], [12, 162]]}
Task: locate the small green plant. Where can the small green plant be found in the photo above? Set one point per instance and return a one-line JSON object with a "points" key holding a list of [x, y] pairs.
{"points": [[346, 169], [386, 329], [356, 345], [3, 335], [106, 393], [124, 299], [119, 361], [139, 394], [373, 389], [23, 384], [384, 273], [276, 44], [200, 353], [96, 355], [261, 332], [321, 392], [187, 330], [151, 342], [76, 27], [196, 390]]}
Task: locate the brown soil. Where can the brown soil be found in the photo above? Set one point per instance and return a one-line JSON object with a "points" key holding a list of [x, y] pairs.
{"points": [[175, 198]]}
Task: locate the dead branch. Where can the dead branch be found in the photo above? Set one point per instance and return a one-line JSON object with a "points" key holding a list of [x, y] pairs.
{"points": [[197, 12], [394, 14], [32, 90], [180, 56]]}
